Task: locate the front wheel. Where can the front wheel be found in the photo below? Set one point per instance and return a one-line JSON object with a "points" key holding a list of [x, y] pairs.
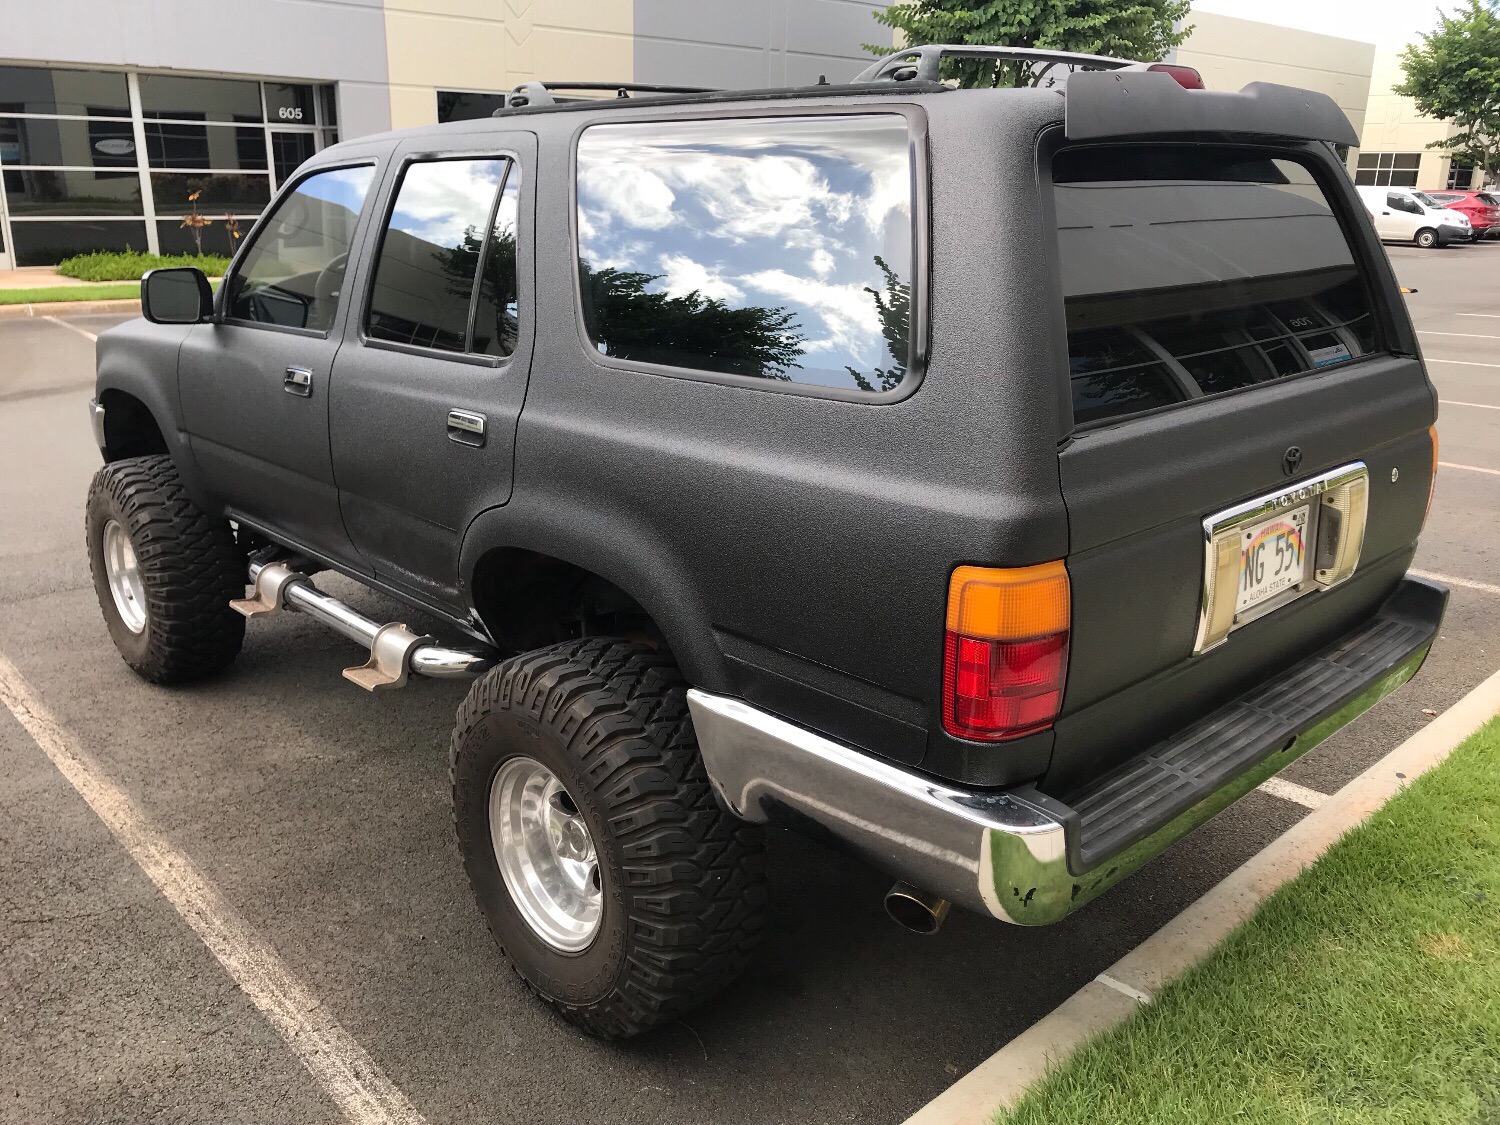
{"points": [[1426, 238], [619, 890], [164, 572]]}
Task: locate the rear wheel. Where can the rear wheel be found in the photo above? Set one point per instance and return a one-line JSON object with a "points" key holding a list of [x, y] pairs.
{"points": [[619, 890], [1426, 238], [164, 572]]}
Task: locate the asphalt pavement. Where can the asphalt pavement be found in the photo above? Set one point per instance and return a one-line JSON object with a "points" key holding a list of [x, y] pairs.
{"points": [[321, 814]]}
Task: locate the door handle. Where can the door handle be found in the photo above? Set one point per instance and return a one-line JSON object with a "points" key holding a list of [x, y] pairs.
{"points": [[466, 427], [298, 381]]}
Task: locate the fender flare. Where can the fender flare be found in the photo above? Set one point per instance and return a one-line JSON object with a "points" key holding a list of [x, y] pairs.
{"points": [[619, 550], [122, 375]]}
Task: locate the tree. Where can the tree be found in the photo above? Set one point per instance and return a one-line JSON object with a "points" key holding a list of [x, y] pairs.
{"points": [[1453, 74], [893, 307], [1144, 30], [650, 327]]}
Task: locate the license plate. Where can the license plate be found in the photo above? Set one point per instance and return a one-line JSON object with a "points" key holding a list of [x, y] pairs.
{"points": [[1273, 558]]}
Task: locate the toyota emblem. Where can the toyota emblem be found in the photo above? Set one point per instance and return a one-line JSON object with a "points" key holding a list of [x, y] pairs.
{"points": [[1291, 460]]}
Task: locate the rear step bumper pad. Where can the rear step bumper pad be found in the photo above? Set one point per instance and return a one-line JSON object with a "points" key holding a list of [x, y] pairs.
{"points": [[1021, 856]]}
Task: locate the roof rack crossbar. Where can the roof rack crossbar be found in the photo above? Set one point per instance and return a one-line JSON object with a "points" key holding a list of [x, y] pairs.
{"points": [[541, 93], [920, 63]]}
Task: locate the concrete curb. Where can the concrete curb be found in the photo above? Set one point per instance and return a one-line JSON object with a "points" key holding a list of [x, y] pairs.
{"points": [[1001, 1080], [69, 308]]}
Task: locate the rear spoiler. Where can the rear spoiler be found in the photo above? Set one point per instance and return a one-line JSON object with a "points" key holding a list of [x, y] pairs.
{"points": [[1117, 104]]}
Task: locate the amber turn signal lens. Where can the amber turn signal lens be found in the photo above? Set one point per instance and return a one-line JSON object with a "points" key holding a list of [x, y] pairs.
{"points": [[1009, 604], [1432, 481]]}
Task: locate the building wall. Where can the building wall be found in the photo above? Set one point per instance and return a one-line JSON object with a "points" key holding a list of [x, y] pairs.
{"points": [[1231, 52], [750, 43], [1393, 124], [301, 39]]}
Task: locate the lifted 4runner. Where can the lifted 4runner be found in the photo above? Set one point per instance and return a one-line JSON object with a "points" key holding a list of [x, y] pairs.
{"points": [[994, 483]]}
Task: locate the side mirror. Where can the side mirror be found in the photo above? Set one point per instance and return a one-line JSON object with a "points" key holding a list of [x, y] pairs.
{"points": [[180, 295]]}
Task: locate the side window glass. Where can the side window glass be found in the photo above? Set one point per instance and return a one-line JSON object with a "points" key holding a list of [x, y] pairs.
{"points": [[778, 247], [496, 319], [293, 272], [430, 254]]}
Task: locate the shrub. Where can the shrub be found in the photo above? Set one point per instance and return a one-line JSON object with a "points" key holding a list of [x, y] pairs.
{"points": [[128, 265]]}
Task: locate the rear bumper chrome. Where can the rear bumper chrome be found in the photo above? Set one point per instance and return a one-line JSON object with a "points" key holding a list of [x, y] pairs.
{"points": [[1018, 855]]}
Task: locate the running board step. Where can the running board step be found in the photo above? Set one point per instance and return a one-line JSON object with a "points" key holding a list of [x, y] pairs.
{"points": [[396, 653]]}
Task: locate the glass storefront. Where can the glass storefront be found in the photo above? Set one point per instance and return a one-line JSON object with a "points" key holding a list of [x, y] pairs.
{"points": [[105, 160]]}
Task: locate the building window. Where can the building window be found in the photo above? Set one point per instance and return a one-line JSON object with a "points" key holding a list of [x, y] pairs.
{"points": [[1388, 169], [74, 180], [465, 105], [1460, 175]]}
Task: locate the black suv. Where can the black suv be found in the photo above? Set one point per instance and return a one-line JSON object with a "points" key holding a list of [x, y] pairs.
{"points": [[993, 482]]}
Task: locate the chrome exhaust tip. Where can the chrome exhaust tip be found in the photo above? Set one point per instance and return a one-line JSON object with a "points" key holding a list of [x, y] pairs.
{"points": [[918, 911]]}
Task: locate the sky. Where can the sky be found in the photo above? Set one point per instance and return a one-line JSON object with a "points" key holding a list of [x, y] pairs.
{"points": [[1386, 23]]}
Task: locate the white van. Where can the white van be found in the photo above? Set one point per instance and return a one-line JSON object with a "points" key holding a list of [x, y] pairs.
{"points": [[1408, 215]]}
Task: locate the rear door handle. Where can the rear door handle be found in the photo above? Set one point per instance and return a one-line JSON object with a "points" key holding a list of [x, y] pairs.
{"points": [[298, 381], [466, 427]]}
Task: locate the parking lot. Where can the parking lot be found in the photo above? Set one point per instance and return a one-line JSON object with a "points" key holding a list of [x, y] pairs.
{"points": [[320, 814]]}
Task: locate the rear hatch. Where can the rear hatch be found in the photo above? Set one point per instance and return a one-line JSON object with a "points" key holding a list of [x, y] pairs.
{"points": [[1249, 423]]}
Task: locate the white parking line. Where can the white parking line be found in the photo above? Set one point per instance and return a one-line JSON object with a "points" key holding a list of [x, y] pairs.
{"points": [[1467, 583], [1480, 405], [1461, 335], [342, 1067], [70, 327], [1291, 791], [1462, 362], [1468, 468], [1121, 987], [1487, 316]]}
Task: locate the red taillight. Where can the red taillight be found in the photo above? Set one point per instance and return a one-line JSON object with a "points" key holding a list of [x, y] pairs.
{"points": [[1005, 659], [1187, 77]]}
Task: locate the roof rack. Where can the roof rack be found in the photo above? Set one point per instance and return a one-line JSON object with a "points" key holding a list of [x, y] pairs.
{"points": [[920, 63], [540, 93]]}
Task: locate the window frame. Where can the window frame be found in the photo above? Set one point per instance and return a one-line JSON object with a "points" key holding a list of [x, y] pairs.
{"points": [[472, 359], [1344, 203], [917, 349], [254, 233]]}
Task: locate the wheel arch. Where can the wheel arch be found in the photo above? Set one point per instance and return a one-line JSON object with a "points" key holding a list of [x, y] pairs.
{"points": [[527, 563]]}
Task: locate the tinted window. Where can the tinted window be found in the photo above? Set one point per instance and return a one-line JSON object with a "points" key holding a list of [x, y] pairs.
{"points": [[294, 270], [92, 93], [454, 105], [496, 320], [429, 255], [200, 99], [1196, 271], [779, 247]]}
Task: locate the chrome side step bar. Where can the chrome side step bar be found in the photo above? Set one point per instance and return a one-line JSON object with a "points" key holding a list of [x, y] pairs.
{"points": [[395, 651]]}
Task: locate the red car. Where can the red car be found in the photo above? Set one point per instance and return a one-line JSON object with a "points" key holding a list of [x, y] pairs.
{"points": [[1482, 208]]}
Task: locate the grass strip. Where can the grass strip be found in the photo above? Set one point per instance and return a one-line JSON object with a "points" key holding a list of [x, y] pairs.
{"points": [[128, 265], [124, 291], [1365, 991]]}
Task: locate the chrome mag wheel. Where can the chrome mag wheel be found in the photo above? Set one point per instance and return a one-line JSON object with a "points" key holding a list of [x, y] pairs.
{"points": [[124, 576], [545, 854]]}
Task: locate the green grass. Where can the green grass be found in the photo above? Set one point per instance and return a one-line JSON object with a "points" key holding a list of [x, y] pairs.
{"points": [[128, 265], [126, 291], [1366, 991]]}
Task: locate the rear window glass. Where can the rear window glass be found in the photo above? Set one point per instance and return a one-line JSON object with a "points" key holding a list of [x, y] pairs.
{"points": [[777, 247], [1190, 272]]}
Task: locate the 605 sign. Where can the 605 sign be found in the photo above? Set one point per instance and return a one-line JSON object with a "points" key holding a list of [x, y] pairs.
{"points": [[290, 113]]}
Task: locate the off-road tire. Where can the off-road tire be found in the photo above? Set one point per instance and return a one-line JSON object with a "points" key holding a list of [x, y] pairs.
{"points": [[683, 881], [1426, 238], [190, 568]]}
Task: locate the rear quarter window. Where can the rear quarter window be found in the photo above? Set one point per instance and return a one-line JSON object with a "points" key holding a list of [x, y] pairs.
{"points": [[1196, 271], [777, 248]]}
